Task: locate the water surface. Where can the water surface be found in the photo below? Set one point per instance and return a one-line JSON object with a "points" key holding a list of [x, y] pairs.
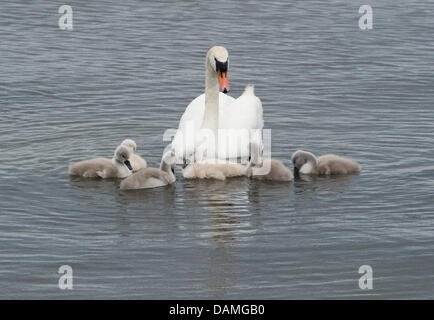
{"points": [[129, 69]]}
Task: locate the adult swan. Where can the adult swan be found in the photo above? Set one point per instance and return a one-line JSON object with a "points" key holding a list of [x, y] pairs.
{"points": [[216, 120]]}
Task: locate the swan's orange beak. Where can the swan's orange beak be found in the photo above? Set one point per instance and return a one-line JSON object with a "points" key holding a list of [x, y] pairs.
{"points": [[223, 81]]}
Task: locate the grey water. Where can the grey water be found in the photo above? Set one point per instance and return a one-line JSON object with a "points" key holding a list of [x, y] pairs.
{"points": [[128, 69]]}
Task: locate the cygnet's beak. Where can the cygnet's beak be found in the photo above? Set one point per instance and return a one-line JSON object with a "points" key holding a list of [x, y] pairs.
{"points": [[222, 73], [296, 171], [128, 164]]}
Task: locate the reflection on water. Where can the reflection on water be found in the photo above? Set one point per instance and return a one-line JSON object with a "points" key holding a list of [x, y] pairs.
{"points": [[165, 194], [334, 183], [220, 272], [92, 184], [224, 202]]}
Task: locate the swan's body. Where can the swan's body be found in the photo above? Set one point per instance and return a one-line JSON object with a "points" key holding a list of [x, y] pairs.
{"points": [[152, 177], [137, 162], [219, 171], [330, 164], [214, 113], [268, 169], [117, 167]]}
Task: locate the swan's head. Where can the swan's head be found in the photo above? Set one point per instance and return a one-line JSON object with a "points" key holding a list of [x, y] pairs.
{"points": [[122, 155], [130, 144], [218, 58], [303, 162]]}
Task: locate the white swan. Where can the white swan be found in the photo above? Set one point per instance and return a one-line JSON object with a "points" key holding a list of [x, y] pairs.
{"points": [[214, 112], [152, 177], [137, 162], [117, 167], [329, 164]]}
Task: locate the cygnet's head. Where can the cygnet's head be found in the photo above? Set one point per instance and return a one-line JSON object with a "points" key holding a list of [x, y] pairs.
{"points": [[168, 159], [303, 162], [130, 144], [122, 155], [218, 58]]}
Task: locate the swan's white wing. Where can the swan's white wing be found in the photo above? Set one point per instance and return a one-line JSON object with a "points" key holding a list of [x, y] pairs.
{"points": [[193, 112], [244, 112], [243, 115]]}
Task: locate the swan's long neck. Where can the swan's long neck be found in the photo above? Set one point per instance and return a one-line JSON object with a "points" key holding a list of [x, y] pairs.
{"points": [[211, 114]]}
